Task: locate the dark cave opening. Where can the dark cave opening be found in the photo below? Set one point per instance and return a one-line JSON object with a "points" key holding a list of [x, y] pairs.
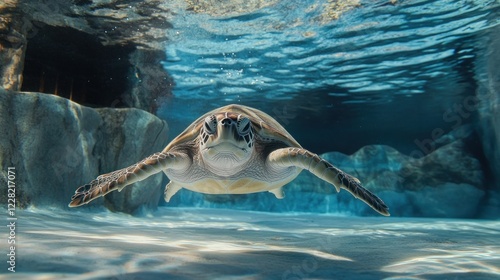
{"points": [[76, 65]]}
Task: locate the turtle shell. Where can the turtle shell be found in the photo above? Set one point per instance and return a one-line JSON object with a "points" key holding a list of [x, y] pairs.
{"points": [[265, 127]]}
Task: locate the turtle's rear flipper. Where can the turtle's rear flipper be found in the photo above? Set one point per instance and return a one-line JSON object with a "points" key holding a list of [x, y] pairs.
{"points": [[119, 179], [304, 159]]}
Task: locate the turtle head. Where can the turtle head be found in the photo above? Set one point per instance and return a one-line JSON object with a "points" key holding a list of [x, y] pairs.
{"points": [[226, 142]]}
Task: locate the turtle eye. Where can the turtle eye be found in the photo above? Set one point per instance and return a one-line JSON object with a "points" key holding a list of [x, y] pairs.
{"points": [[243, 125], [210, 124]]}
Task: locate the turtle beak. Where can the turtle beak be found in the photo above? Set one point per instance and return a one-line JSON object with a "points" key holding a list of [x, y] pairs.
{"points": [[228, 130]]}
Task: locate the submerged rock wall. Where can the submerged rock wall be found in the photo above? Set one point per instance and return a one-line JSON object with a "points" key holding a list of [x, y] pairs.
{"points": [[488, 77], [82, 49], [431, 186], [97, 53], [12, 46], [57, 145]]}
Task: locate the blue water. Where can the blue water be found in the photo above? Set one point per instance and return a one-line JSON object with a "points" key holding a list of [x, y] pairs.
{"points": [[372, 53]]}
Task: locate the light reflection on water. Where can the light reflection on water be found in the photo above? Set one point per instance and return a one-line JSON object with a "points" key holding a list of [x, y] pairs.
{"points": [[191, 243], [284, 50], [438, 261]]}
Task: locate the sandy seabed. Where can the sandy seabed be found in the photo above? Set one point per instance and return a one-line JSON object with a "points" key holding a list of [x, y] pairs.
{"points": [[193, 243]]}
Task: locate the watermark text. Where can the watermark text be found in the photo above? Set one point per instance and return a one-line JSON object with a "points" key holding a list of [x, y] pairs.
{"points": [[11, 219]]}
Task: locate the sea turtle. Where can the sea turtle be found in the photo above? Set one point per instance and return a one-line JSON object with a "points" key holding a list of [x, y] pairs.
{"points": [[234, 149]]}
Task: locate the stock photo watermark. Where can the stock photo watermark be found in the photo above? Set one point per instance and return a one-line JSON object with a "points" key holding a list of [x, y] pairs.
{"points": [[456, 115], [11, 219], [286, 114]]}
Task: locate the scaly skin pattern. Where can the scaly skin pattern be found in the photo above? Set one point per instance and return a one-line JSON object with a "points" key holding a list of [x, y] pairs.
{"points": [[119, 179]]}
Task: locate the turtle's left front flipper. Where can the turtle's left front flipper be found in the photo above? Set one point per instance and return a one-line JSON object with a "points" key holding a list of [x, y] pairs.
{"points": [[119, 179], [288, 157]]}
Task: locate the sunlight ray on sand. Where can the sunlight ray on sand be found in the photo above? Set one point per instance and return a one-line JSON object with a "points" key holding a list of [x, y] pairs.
{"points": [[187, 243]]}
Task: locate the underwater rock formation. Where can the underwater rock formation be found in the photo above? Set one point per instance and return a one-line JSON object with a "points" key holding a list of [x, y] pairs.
{"points": [[82, 49], [489, 111], [12, 46], [431, 186], [96, 53], [57, 145]]}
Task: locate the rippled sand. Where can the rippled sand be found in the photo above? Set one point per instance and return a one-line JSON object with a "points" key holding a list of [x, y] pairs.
{"points": [[185, 243]]}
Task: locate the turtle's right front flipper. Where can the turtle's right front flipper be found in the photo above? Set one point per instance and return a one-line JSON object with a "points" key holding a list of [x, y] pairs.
{"points": [[119, 179]]}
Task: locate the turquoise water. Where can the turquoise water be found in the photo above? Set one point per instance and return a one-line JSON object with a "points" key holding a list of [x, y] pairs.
{"points": [[373, 53]]}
